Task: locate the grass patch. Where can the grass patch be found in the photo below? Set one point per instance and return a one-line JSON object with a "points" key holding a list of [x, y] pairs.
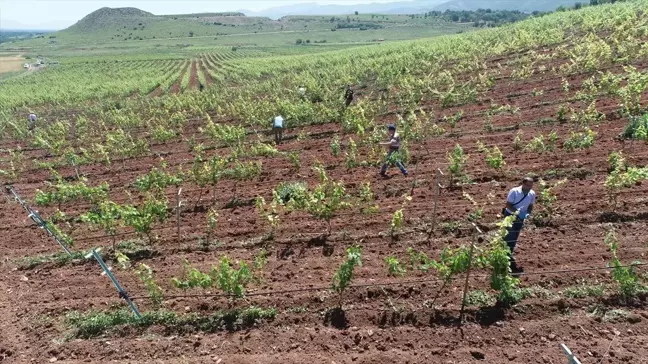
{"points": [[133, 249], [584, 290], [289, 190], [450, 227], [479, 298], [57, 260], [95, 323], [602, 313], [299, 309], [537, 292]]}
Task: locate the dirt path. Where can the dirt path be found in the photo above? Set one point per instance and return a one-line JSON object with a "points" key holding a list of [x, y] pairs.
{"points": [[205, 70], [175, 88], [193, 78]]}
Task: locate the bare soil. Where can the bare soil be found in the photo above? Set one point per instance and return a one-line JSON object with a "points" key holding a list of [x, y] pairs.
{"points": [[175, 88], [193, 77], [11, 63], [208, 77]]}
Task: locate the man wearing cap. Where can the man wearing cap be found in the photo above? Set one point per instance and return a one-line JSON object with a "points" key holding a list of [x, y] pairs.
{"points": [[394, 146], [520, 199]]}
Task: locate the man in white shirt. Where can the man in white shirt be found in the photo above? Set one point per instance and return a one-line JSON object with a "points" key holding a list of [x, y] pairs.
{"points": [[394, 146], [31, 121], [302, 92], [277, 126], [520, 199]]}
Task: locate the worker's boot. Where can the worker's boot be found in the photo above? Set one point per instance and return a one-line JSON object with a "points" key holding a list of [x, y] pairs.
{"points": [[515, 269]]}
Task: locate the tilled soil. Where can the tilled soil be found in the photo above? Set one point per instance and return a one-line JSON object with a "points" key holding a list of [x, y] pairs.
{"points": [[387, 319], [193, 77]]}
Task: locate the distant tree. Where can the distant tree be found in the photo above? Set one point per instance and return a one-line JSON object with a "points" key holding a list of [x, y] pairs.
{"points": [[298, 42], [561, 8], [594, 2], [578, 6], [332, 20], [307, 41], [191, 33], [356, 13]]}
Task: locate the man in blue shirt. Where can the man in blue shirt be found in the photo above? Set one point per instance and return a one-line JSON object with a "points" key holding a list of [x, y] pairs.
{"points": [[520, 199]]}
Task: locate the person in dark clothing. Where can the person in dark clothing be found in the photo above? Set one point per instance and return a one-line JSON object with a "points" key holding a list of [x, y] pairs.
{"points": [[348, 96], [201, 86]]}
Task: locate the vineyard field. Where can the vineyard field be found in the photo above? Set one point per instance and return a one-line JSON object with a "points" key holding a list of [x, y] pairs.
{"points": [[239, 250]]}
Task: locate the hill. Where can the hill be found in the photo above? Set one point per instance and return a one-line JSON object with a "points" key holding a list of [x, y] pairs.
{"points": [[122, 27], [109, 16]]}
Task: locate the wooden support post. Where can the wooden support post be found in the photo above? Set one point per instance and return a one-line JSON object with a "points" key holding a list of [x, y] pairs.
{"points": [[178, 210], [465, 290], [437, 186]]}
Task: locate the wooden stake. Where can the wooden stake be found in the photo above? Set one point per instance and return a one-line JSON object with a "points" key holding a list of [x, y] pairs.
{"points": [[178, 210], [465, 290], [436, 202]]}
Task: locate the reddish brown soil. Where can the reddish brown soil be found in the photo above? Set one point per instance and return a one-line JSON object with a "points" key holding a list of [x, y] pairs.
{"points": [[205, 69], [157, 92], [392, 324], [193, 78], [175, 88]]}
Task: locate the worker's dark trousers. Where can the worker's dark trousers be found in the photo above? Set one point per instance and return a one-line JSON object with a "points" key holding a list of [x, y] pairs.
{"points": [[398, 163], [348, 101], [511, 238], [278, 133]]}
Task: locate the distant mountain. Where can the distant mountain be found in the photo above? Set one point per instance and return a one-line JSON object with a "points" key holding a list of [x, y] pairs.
{"points": [[526, 6], [13, 26], [411, 7], [398, 7]]}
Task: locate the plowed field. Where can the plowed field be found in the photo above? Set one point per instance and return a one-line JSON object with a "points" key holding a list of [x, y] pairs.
{"points": [[387, 319]]}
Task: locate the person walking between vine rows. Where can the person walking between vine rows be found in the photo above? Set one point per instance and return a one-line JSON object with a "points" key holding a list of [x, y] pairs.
{"points": [[277, 127], [31, 123], [520, 199], [348, 96], [392, 154]]}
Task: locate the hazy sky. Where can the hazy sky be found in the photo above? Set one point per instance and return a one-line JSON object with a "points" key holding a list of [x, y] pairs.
{"points": [[55, 14]]}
